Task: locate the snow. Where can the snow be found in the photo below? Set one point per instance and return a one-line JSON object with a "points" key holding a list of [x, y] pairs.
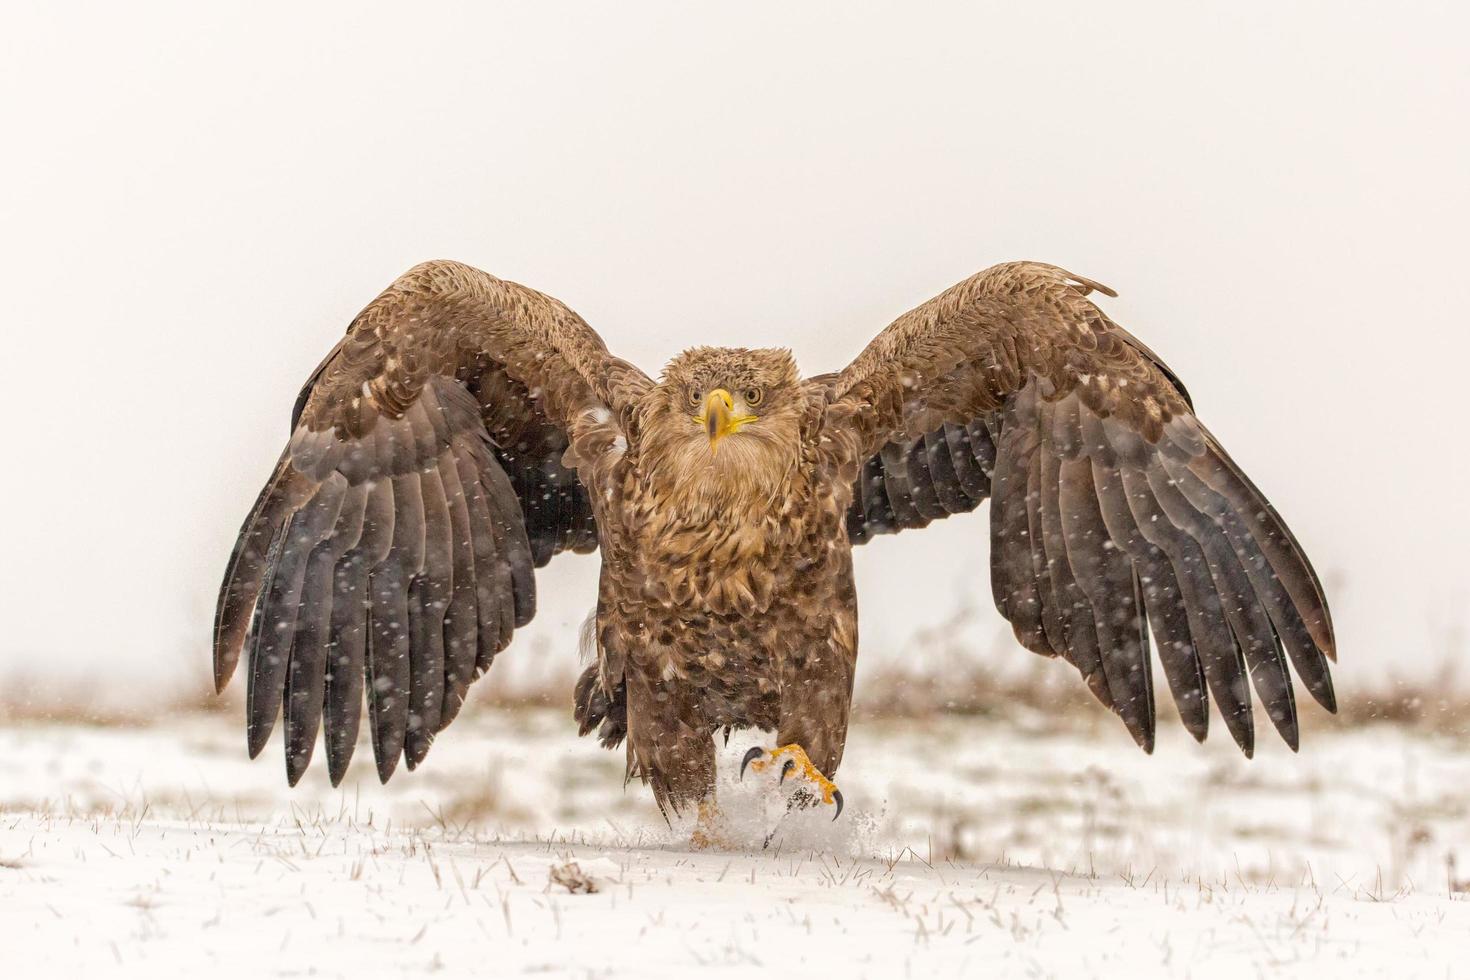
{"points": [[968, 844]]}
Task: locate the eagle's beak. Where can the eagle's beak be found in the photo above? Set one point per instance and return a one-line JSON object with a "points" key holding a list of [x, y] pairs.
{"points": [[719, 418]]}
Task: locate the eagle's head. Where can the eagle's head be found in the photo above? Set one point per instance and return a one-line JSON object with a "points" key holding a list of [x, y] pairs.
{"points": [[724, 423]]}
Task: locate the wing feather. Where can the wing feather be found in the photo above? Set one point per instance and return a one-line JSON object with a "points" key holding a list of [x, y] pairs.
{"points": [[1105, 575], [388, 658], [1279, 572], [921, 481], [282, 494], [311, 648], [1248, 622], [897, 486], [275, 625], [1221, 661], [461, 619], [973, 480], [1155, 586], [428, 601], [345, 658], [1052, 603], [1078, 619], [1015, 562], [944, 478]]}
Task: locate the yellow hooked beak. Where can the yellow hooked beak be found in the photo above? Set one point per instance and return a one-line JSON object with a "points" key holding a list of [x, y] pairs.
{"points": [[718, 417]]}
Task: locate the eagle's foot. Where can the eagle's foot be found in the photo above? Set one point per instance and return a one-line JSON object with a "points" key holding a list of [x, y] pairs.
{"points": [[793, 763], [708, 828]]}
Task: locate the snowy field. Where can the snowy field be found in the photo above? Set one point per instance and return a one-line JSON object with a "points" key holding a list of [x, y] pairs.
{"points": [[969, 846]]}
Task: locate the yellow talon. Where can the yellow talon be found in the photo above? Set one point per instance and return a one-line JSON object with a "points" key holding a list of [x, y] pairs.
{"points": [[795, 762]]}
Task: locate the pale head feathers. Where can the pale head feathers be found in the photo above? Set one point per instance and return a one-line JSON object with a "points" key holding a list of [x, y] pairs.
{"points": [[753, 467]]}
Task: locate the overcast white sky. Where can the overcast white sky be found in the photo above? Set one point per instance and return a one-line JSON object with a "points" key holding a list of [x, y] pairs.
{"points": [[194, 202]]}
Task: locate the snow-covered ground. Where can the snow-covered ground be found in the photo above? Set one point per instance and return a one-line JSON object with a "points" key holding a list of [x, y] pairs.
{"points": [[968, 845]]}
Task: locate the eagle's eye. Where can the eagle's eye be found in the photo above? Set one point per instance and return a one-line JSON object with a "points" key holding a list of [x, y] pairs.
{"points": [[753, 396], [695, 396]]}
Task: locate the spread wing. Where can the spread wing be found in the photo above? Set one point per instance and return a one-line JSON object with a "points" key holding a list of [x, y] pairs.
{"points": [[1113, 510], [391, 552]]}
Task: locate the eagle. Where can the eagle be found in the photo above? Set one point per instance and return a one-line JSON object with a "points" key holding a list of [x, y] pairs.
{"points": [[466, 429]]}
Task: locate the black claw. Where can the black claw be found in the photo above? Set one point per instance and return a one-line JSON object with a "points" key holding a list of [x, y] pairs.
{"points": [[837, 795], [750, 757], [786, 770]]}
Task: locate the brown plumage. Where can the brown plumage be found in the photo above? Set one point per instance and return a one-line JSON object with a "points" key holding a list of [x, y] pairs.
{"points": [[467, 429]]}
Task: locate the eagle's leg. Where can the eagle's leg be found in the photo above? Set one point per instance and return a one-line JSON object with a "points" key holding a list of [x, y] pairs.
{"points": [[816, 698], [672, 748], [708, 826], [791, 762]]}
